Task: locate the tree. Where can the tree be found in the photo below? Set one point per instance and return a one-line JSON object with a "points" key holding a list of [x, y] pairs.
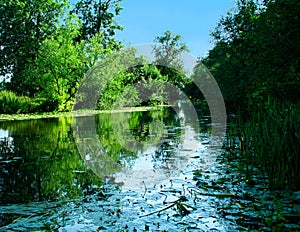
{"points": [[23, 26], [97, 18], [277, 72], [32, 35], [168, 59], [144, 84], [256, 56], [168, 50], [256, 62], [136, 86], [231, 60], [62, 63]]}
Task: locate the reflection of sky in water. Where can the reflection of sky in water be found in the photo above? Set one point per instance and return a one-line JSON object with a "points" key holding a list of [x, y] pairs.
{"points": [[3, 134], [172, 152], [143, 169]]}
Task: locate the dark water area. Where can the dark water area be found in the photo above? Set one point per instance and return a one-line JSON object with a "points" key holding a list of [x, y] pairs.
{"points": [[127, 171]]}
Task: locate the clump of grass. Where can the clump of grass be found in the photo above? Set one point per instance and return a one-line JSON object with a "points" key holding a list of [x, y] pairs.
{"points": [[270, 142], [10, 103]]}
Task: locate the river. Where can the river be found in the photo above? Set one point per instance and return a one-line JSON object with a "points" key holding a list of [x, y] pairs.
{"points": [[150, 170]]}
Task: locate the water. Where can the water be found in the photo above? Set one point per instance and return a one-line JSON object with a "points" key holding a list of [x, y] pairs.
{"points": [[139, 171]]}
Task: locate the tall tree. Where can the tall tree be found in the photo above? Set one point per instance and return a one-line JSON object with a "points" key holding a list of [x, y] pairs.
{"points": [[23, 26], [167, 51], [257, 52], [231, 61], [277, 72], [60, 66], [97, 17]]}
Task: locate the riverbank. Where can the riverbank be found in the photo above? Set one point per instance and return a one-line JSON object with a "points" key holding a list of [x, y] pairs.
{"points": [[30, 116]]}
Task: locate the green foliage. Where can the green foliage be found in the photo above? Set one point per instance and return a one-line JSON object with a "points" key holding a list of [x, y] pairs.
{"points": [[256, 64], [256, 55], [273, 141], [49, 165], [97, 18], [168, 54], [10, 103], [23, 26], [47, 50], [3, 84], [168, 50], [122, 79], [269, 145], [100, 76], [63, 62], [277, 72], [229, 61], [60, 66], [140, 85]]}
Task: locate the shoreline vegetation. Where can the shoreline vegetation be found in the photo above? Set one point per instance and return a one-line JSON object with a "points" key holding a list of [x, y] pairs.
{"points": [[75, 113]]}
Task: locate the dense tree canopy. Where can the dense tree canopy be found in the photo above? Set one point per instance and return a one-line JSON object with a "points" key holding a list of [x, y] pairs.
{"points": [[97, 17], [23, 27], [256, 63], [60, 66], [256, 54], [149, 78], [46, 46]]}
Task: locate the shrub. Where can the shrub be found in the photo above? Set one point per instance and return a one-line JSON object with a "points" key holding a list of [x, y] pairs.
{"points": [[10, 103]]}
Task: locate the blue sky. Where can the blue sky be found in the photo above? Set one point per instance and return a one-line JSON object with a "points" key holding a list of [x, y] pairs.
{"points": [[192, 19]]}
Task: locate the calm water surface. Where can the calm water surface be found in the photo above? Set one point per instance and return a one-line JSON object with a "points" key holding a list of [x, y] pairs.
{"points": [[109, 172]]}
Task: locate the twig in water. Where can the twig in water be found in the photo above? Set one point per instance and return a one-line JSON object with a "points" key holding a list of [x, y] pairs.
{"points": [[161, 210], [165, 200], [181, 199], [145, 189]]}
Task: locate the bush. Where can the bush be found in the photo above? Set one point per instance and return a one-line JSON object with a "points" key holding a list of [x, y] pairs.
{"points": [[10, 103]]}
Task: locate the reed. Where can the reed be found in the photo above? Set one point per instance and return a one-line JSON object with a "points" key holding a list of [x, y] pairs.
{"points": [[270, 144]]}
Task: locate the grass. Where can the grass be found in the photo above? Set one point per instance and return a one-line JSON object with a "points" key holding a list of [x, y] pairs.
{"points": [[269, 144], [13, 107], [10, 103]]}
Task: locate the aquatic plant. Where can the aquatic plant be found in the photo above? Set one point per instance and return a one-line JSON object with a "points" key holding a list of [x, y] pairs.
{"points": [[275, 140], [269, 144]]}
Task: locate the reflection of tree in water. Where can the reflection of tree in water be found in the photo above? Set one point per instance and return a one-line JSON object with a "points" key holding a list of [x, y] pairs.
{"points": [[181, 141], [164, 155], [139, 126], [138, 131], [40, 162]]}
